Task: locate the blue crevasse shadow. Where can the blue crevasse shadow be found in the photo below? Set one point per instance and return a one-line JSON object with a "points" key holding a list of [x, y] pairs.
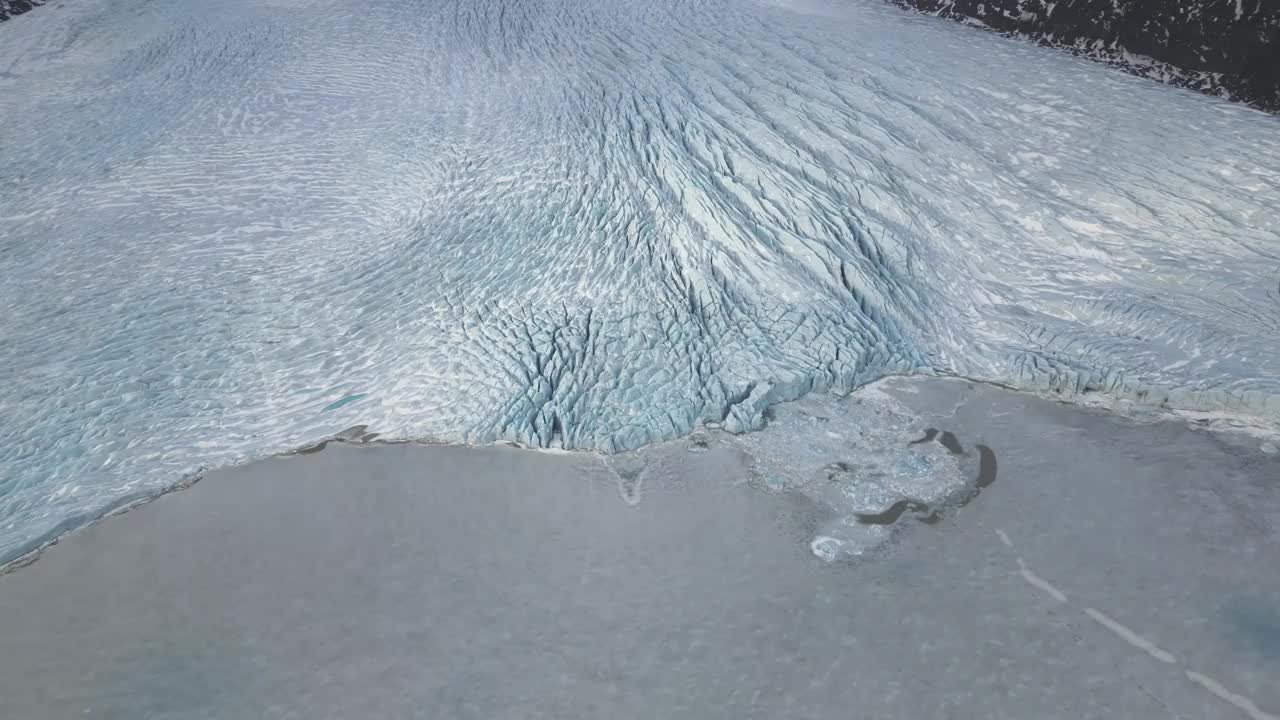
{"points": [[345, 400]]}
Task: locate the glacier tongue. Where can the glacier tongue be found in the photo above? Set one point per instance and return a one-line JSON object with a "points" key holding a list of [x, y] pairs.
{"points": [[229, 229]]}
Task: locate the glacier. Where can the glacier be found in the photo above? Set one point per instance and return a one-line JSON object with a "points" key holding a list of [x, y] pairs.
{"points": [[232, 229]]}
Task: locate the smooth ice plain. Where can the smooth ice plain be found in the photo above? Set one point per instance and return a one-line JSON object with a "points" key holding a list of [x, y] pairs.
{"points": [[231, 229], [1107, 568]]}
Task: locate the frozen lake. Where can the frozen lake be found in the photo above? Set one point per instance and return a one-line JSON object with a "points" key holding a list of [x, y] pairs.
{"points": [[1106, 568]]}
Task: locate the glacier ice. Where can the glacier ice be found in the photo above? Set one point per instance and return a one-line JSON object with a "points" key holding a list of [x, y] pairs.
{"points": [[231, 229], [860, 459]]}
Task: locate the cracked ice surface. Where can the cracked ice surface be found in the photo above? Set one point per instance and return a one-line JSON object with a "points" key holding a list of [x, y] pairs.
{"points": [[228, 229], [862, 458]]}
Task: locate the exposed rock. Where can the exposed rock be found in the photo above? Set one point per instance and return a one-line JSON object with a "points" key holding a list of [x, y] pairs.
{"points": [[1229, 48], [9, 8]]}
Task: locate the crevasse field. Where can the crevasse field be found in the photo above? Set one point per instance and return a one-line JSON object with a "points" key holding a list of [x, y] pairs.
{"points": [[230, 229]]}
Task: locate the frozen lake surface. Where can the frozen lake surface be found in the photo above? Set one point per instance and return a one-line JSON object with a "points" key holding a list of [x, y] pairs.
{"points": [[231, 229], [1106, 568]]}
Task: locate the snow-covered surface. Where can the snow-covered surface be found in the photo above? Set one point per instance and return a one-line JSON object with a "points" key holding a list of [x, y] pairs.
{"points": [[231, 229], [1109, 569]]}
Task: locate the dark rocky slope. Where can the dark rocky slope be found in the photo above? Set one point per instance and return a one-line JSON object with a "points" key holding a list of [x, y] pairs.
{"points": [[1223, 47], [9, 8]]}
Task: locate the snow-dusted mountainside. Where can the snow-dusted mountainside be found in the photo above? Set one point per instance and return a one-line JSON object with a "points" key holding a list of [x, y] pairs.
{"points": [[1223, 47], [9, 8]]}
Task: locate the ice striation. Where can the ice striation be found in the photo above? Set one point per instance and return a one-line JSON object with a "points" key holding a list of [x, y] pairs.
{"points": [[233, 229]]}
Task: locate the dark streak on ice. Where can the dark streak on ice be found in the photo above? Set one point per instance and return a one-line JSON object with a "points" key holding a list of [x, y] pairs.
{"points": [[987, 470], [895, 511]]}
